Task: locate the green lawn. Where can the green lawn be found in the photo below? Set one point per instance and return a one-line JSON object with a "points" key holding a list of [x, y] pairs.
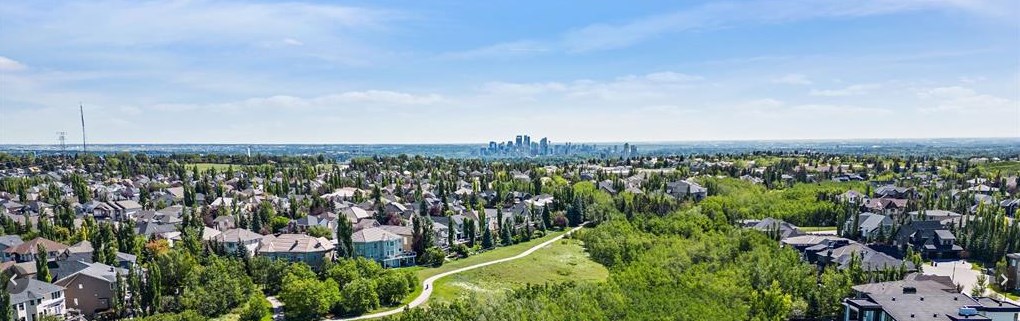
{"points": [[816, 228], [564, 260], [495, 254], [1004, 167], [206, 166]]}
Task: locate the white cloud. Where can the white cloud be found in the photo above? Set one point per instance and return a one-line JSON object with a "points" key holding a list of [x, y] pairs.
{"points": [[501, 50], [293, 42], [725, 14], [792, 79], [962, 99], [852, 90], [350, 99], [8, 64], [645, 89]]}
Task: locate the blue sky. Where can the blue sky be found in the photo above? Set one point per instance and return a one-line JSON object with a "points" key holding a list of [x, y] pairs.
{"points": [[474, 71]]}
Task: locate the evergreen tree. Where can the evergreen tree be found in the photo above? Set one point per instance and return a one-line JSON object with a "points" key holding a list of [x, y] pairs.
{"points": [[486, 237], [507, 235], [451, 234], [6, 313], [499, 221], [42, 268], [469, 231], [546, 217], [345, 245]]}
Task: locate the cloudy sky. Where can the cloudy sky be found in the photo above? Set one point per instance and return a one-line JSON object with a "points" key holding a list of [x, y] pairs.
{"points": [[474, 71]]}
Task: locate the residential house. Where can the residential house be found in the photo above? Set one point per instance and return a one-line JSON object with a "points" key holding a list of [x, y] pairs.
{"points": [[6, 242], [686, 189], [771, 225], [870, 225], [25, 252], [325, 220], [297, 248], [233, 239], [891, 191], [1010, 206], [90, 289], [929, 238], [384, 247], [853, 196], [1012, 271], [886, 206], [904, 300], [405, 232], [31, 299], [224, 223], [355, 214], [871, 259]]}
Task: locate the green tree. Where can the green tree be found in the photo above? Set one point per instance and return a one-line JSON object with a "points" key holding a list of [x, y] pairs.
{"points": [[546, 217], [42, 267], [258, 309], [345, 244], [486, 237], [451, 232], [980, 287], [6, 313], [359, 297], [305, 297], [319, 231], [772, 304], [392, 288]]}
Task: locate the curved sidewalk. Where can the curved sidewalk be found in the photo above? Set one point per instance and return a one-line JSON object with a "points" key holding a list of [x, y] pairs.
{"points": [[427, 284]]}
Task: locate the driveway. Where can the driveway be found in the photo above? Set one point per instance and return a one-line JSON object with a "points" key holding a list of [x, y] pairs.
{"points": [[961, 273]]}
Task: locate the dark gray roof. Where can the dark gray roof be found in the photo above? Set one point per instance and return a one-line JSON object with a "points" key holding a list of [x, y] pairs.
{"points": [[924, 306]]}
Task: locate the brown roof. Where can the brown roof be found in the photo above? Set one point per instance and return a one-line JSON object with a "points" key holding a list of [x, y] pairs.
{"points": [[30, 246]]}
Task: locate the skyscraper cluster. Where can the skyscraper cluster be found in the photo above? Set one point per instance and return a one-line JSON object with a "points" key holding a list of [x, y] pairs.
{"points": [[523, 146]]}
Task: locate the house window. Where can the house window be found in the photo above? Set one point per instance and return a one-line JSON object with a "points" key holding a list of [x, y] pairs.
{"points": [[75, 301], [79, 286]]}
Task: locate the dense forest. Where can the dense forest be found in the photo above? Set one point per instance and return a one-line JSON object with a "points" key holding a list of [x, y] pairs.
{"points": [[684, 265]]}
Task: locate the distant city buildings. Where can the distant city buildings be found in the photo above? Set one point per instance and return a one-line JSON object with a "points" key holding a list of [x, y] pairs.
{"points": [[523, 146]]}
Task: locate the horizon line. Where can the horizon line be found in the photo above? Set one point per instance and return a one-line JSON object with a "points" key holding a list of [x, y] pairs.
{"points": [[646, 142]]}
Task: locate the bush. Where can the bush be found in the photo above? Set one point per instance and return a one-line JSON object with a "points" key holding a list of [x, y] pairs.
{"points": [[461, 250], [320, 231], [258, 309], [189, 315], [433, 257]]}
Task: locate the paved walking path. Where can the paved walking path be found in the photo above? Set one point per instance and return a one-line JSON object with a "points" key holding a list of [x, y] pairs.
{"points": [[428, 283]]}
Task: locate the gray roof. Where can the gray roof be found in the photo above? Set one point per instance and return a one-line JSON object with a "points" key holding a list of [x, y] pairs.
{"points": [[24, 290], [869, 222], [945, 235], [10, 240], [923, 306], [236, 235], [373, 234], [397, 229]]}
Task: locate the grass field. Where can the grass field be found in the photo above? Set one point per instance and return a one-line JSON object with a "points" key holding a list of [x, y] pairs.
{"points": [[206, 166], [817, 228], [498, 253], [564, 260], [1004, 168]]}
